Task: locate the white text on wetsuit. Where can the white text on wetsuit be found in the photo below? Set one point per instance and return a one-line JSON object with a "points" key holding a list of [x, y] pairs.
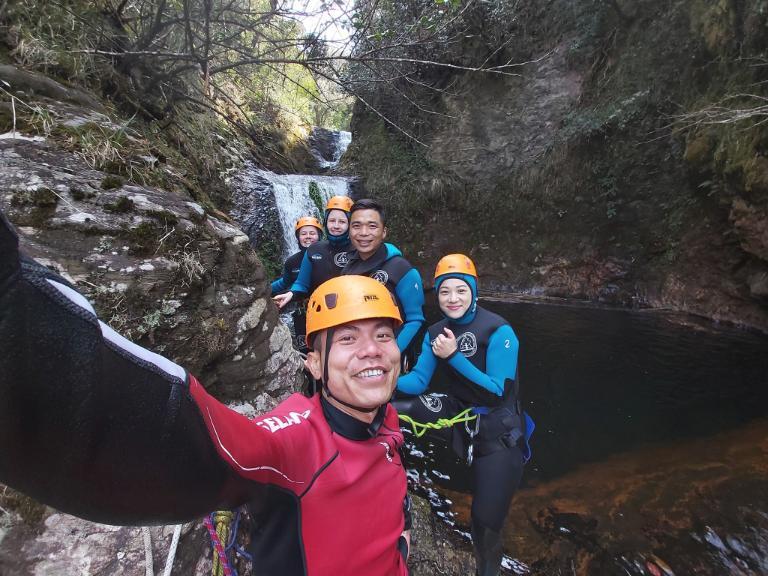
{"points": [[275, 423]]}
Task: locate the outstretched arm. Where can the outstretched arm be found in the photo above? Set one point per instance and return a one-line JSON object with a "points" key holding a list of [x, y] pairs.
{"points": [[93, 424]]}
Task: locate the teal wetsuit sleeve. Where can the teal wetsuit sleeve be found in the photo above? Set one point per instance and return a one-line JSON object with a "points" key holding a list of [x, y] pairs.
{"points": [[410, 294], [417, 380], [277, 286], [304, 279], [500, 361]]}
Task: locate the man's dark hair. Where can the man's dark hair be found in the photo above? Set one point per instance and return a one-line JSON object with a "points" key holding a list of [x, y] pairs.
{"points": [[368, 204]]}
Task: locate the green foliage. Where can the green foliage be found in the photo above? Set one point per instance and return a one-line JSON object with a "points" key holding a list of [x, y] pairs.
{"points": [[269, 253], [53, 37], [317, 199]]}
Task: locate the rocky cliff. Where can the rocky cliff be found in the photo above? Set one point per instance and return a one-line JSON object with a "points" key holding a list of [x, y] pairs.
{"points": [[623, 160], [162, 266]]}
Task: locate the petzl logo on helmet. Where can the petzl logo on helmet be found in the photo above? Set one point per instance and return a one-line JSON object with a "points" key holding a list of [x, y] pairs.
{"points": [[467, 344], [380, 276], [370, 297], [341, 259], [432, 402], [316, 256]]}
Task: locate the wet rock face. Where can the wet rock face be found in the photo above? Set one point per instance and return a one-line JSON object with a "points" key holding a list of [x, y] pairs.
{"points": [[323, 142], [435, 547], [157, 268], [327, 146]]}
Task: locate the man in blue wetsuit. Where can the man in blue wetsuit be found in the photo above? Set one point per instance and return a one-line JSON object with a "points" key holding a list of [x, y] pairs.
{"points": [[470, 359], [385, 263], [308, 231], [325, 259]]}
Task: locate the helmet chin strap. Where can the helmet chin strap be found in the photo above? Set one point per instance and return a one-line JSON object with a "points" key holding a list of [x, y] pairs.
{"points": [[327, 350]]}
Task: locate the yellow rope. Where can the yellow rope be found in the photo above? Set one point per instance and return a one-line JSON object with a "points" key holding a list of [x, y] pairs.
{"points": [[420, 428], [222, 519]]}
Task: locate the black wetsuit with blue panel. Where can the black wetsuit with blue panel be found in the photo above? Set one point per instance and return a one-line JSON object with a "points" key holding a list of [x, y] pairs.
{"points": [[480, 375]]}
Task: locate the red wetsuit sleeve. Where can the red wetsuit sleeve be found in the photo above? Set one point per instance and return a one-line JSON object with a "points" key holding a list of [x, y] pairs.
{"points": [[284, 447]]}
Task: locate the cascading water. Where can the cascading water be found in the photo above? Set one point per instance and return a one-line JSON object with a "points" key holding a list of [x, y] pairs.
{"points": [[293, 200], [328, 146], [267, 205]]}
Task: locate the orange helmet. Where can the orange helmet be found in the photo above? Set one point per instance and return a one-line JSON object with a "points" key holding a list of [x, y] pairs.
{"points": [[348, 298], [339, 203], [309, 221], [455, 264]]}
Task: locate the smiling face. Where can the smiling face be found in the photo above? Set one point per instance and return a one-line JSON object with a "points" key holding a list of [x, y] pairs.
{"points": [[337, 222], [454, 298], [308, 235], [363, 365], [367, 232]]}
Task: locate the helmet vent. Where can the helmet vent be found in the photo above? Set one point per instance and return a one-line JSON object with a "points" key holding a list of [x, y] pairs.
{"points": [[330, 300]]}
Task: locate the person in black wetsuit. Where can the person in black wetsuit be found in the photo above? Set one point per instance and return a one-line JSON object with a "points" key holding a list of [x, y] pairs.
{"points": [[103, 429], [468, 361], [325, 259], [384, 262], [308, 230]]}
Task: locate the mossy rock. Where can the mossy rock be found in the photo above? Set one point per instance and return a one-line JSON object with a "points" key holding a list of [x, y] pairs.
{"points": [[698, 152], [110, 182], [120, 206], [30, 510], [756, 175], [40, 198], [144, 238]]}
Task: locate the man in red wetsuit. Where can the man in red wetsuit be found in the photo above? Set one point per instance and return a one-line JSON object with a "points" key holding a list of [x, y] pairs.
{"points": [[101, 428]]}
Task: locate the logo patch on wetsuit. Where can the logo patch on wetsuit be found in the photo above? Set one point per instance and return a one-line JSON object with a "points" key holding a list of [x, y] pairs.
{"points": [[467, 344], [277, 423], [380, 276], [316, 256], [341, 259], [432, 402]]}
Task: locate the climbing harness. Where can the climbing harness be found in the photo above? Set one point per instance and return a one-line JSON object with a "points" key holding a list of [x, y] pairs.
{"points": [[420, 428], [148, 555], [222, 527], [466, 416]]}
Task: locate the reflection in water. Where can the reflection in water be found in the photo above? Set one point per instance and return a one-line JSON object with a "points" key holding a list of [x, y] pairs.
{"points": [[651, 449]]}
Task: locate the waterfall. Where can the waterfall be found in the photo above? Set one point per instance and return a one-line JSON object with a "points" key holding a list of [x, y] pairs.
{"points": [[328, 146], [267, 205], [293, 200]]}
